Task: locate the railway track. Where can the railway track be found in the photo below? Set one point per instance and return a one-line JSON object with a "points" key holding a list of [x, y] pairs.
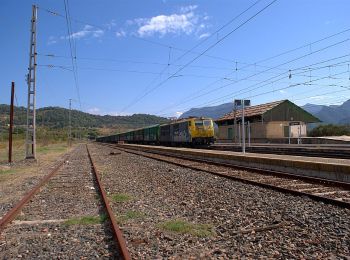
{"points": [[67, 194], [326, 152], [336, 193]]}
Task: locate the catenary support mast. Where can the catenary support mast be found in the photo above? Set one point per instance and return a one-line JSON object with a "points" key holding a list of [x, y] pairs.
{"points": [[31, 81]]}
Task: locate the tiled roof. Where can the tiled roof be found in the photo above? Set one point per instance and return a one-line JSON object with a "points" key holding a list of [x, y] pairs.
{"points": [[251, 110]]}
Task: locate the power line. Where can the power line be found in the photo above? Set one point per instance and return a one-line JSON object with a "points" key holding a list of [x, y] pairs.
{"points": [[268, 83], [152, 62], [259, 73], [293, 85], [273, 57], [72, 51], [202, 53], [138, 71]]}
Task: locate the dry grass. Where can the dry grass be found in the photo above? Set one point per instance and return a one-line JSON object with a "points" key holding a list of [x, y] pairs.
{"points": [[13, 178], [43, 150]]}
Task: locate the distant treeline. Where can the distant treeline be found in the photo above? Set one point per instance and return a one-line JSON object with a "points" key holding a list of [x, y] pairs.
{"points": [[330, 130], [57, 117]]}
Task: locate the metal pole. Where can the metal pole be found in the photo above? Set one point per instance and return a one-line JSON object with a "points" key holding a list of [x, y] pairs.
{"points": [[31, 80], [11, 121], [243, 129], [289, 133], [235, 122], [239, 134], [70, 123], [248, 133]]}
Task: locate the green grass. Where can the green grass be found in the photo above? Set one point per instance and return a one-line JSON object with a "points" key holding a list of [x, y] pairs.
{"points": [[121, 197], [47, 149], [184, 227], [86, 220], [9, 171], [130, 215]]}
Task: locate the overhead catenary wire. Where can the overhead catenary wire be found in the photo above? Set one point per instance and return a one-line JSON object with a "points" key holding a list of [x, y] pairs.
{"points": [[184, 50], [152, 62], [72, 48], [202, 53], [259, 73], [330, 36], [147, 90], [230, 95], [273, 57]]}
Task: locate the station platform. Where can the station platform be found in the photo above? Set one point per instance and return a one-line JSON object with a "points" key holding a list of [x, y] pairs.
{"points": [[324, 168], [315, 150]]}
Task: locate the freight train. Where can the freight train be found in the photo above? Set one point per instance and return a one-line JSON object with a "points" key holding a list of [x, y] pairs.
{"points": [[189, 131]]}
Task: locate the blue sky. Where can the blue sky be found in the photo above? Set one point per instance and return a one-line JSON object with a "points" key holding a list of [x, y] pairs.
{"points": [[165, 57]]}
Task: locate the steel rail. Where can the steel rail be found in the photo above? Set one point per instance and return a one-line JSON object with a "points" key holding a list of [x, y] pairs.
{"points": [[339, 203], [309, 152], [11, 214], [121, 243]]}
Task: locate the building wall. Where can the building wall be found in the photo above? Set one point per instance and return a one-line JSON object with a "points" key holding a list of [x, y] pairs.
{"points": [[269, 130], [288, 111]]}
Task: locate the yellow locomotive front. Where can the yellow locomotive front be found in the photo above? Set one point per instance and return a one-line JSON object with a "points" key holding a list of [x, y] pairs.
{"points": [[201, 130]]}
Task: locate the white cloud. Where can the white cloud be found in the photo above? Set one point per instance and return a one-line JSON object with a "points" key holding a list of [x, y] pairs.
{"points": [[87, 31], [319, 97], [120, 33], [204, 35], [189, 8], [283, 91], [98, 111], [119, 114], [94, 111], [185, 21], [177, 114], [111, 24], [163, 24], [52, 40]]}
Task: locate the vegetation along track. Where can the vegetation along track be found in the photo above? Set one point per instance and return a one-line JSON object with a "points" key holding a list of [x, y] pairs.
{"points": [[69, 218], [336, 193]]}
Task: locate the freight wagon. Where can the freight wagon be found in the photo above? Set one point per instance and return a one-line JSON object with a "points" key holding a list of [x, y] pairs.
{"points": [[185, 131]]}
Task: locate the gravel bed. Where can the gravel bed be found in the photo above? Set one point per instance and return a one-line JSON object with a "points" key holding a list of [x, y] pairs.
{"points": [[244, 221], [12, 190], [65, 219], [57, 241], [306, 186]]}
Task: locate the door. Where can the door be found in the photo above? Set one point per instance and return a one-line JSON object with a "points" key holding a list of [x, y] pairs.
{"points": [[286, 131], [230, 133]]}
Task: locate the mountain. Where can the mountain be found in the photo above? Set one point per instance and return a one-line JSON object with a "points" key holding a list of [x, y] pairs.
{"points": [[331, 114], [313, 109], [214, 112], [327, 114], [57, 117]]}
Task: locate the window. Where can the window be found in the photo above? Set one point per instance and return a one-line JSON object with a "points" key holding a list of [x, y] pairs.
{"points": [[198, 123], [207, 122]]}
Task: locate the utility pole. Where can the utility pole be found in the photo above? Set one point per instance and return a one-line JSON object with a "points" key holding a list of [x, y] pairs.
{"points": [[31, 81], [11, 121], [70, 123], [235, 121], [243, 128]]}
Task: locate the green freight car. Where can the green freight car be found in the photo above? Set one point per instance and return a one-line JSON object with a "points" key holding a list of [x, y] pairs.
{"points": [[151, 134]]}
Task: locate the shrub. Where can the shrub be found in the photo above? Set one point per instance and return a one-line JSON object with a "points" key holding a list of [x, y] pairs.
{"points": [[330, 130]]}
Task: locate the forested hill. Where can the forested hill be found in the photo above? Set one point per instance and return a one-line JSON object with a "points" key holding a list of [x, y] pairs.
{"points": [[57, 117]]}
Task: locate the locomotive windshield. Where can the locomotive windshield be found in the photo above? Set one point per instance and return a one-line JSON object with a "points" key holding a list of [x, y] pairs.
{"points": [[207, 122], [200, 123]]}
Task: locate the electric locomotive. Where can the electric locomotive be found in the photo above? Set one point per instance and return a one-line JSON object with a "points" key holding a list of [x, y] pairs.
{"points": [[189, 131]]}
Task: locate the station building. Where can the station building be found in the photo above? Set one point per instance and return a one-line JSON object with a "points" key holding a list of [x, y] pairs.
{"points": [[277, 121]]}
